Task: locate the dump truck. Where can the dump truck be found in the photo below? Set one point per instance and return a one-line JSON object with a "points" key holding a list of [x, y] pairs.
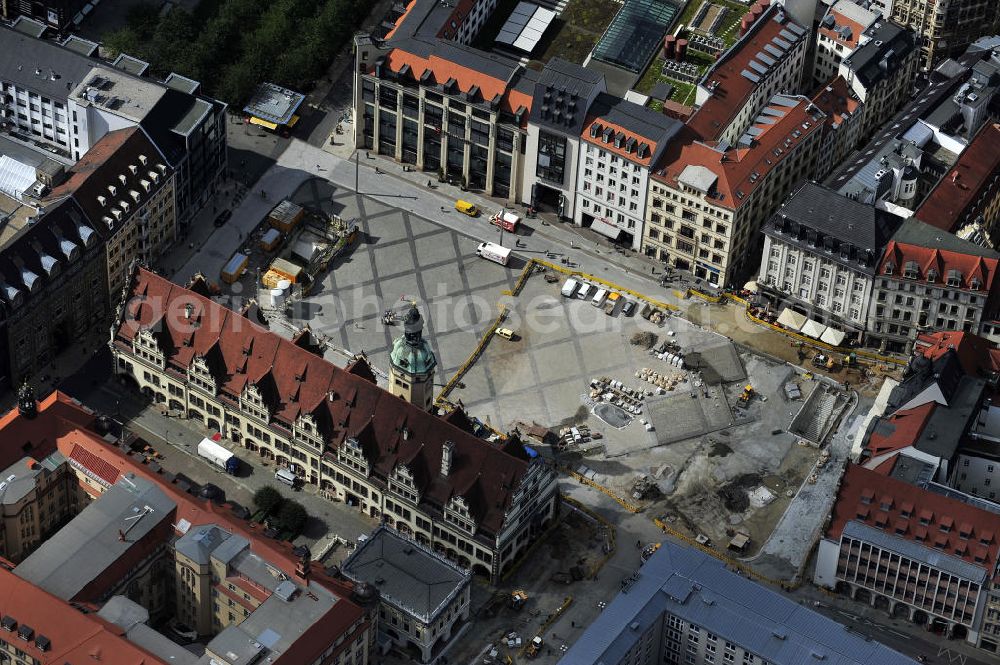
{"points": [[518, 598], [535, 646]]}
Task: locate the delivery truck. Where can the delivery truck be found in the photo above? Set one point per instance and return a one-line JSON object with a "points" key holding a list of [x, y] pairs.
{"points": [[219, 456], [494, 252], [506, 220]]}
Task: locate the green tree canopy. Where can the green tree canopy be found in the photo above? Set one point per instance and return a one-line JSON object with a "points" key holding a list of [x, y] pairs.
{"points": [[268, 499]]}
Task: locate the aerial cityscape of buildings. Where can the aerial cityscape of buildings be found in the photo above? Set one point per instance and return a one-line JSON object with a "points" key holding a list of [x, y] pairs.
{"points": [[283, 382]]}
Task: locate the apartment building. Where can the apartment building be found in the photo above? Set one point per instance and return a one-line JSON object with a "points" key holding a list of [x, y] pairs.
{"points": [[966, 201], [767, 60], [478, 504], [59, 15], [52, 285], [842, 129], [881, 70], [621, 141], [707, 201], [441, 105], [64, 96], [821, 255], [840, 32], [685, 606], [944, 27], [563, 95], [122, 184], [422, 596], [917, 554], [133, 557], [931, 280]]}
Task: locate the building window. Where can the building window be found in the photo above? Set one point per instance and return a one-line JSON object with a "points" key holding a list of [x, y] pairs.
{"points": [[551, 157]]}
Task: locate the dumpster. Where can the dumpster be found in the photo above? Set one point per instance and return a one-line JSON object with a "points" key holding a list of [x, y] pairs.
{"points": [[235, 268]]}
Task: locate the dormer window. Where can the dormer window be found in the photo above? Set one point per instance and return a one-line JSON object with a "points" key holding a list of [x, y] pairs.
{"points": [[102, 200], [142, 159], [975, 284], [889, 267], [932, 275], [911, 271], [135, 195], [954, 278], [112, 189], [133, 168], [122, 179]]}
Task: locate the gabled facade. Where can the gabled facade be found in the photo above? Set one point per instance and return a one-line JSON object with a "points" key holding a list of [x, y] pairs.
{"points": [[479, 504]]}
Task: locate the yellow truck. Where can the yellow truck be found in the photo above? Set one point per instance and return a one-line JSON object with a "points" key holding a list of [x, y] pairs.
{"points": [[235, 268]]}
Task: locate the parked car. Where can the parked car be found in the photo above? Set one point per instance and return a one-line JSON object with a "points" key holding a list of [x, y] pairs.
{"points": [[182, 631], [628, 309], [212, 492], [223, 217]]}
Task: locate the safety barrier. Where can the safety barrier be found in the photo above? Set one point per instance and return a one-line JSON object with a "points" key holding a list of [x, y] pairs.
{"points": [[457, 376], [549, 620], [612, 533], [601, 488], [729, 561]]}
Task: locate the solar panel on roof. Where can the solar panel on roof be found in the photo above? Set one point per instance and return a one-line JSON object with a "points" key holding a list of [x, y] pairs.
{"points": [[525, 26], [753, 78]]}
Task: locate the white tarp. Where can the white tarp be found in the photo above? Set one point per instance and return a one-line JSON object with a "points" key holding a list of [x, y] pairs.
{"points": [[833, 337], [791, 319], [15, 177], [751, 286], [813, 329]]}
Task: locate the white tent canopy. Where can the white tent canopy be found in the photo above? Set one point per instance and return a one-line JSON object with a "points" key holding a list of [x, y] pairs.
{"points": [[833, 337], [751, 286], [791, 319], [813, 329]]}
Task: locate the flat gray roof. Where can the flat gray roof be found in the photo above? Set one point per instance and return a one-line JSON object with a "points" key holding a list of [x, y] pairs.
{"points": [[40, 65], [698, 588], [85, 547], [406, 574], [17, 480]]}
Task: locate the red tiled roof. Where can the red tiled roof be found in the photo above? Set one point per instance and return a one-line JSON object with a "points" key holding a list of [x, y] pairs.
{"points": [[465, 78], [837, 101], [390, 430], [975, 353], [907, 425], [75, 637], [935, 510], [926, 258], [736, 168], [38, 437], [603, 126], [953, 202], [98, 466], [732, 89], [841, 21]]}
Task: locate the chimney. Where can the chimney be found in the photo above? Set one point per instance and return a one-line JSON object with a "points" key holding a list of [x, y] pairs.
{"points": [[304, 564], [188, 310], [447, 457]]}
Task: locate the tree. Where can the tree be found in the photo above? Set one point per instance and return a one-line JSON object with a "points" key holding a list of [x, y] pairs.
{"points": [[268, 499], [292, 517]]}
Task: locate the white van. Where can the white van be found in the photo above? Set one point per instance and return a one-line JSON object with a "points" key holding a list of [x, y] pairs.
{"points": [[285, 476], [585, 290], [599, 297], [569, 288]]}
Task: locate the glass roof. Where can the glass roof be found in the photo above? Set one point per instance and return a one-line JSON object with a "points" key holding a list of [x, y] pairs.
{"points": [[635, 33]]}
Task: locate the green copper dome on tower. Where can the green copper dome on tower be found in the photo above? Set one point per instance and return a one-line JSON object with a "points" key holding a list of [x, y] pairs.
{"points": [[411, 353]]}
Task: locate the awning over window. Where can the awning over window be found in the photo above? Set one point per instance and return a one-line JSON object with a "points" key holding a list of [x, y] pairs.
{"points": [[263, 123], [605, 229], [833, 337], [791, 319], [813, 329]]}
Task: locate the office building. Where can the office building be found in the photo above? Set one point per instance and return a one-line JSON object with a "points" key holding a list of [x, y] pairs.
{"points": [[945, 27], [63, 95], [821, 256], [685, 606], [124, 186], [966, 201], [423, 97], [707, 200], [842, 129], [621, 142], [881, 70], [840, 32], [768, 59], [422, 596], [564, 93], [931, 280], [480, 504], [142, 551], [917, 554]]}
